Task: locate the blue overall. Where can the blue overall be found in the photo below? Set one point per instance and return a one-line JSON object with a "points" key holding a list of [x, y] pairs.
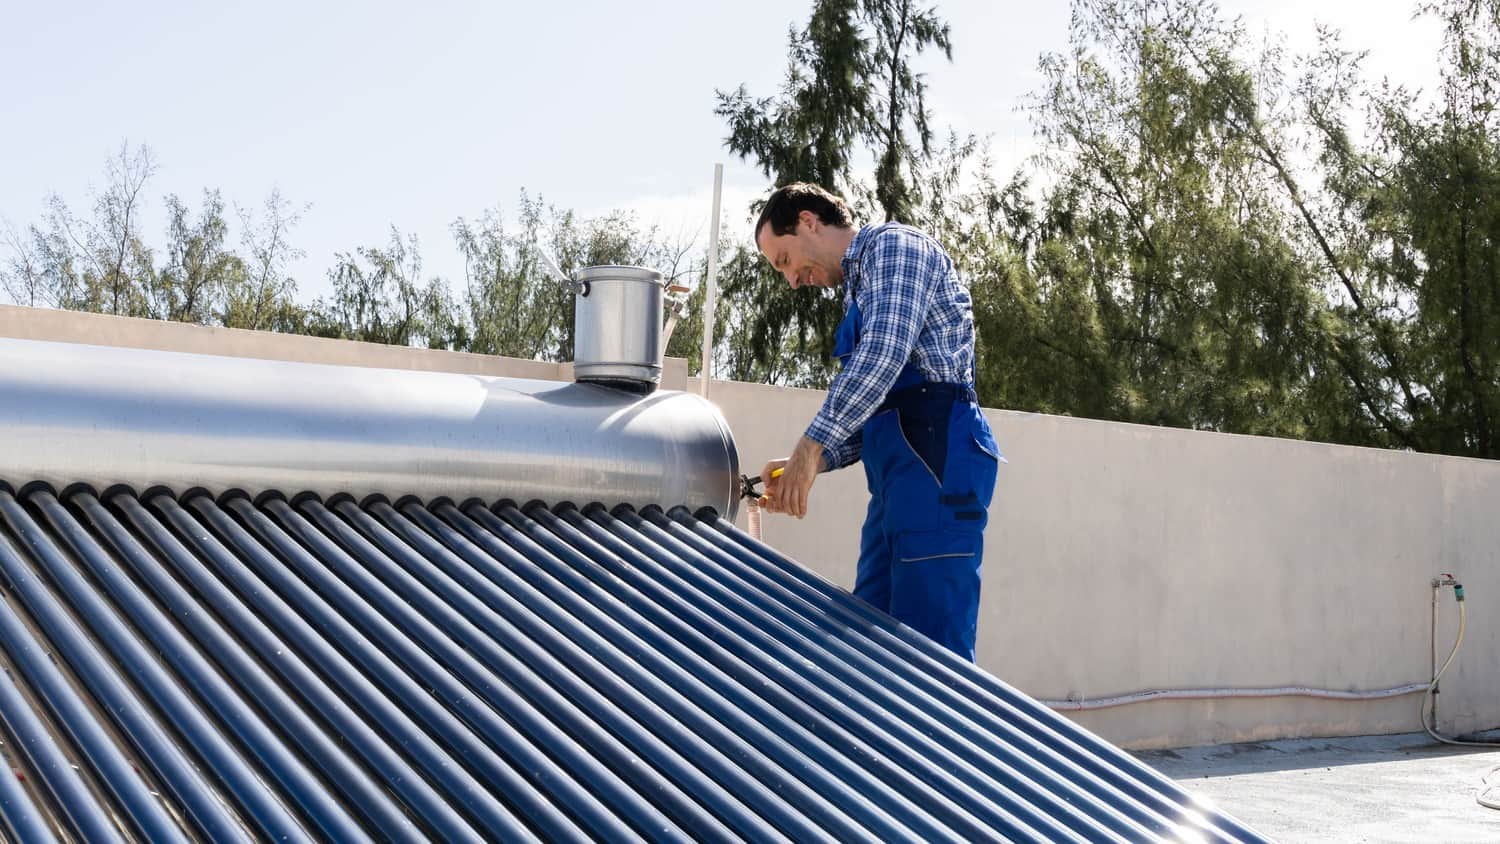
{"points": [[930, 462]]}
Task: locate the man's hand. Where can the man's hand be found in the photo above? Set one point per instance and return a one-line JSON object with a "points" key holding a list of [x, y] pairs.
{"points": [[769, 478], [788, 493]]}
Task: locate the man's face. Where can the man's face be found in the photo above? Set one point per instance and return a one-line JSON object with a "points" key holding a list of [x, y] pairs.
{"points": [[797, 256]]}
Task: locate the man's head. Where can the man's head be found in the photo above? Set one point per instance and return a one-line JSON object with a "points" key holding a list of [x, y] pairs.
{"points": [[804, 231]]}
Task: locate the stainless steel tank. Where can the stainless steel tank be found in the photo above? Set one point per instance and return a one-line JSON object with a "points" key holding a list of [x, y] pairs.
{"points": [[74, 413], [617, 326]]}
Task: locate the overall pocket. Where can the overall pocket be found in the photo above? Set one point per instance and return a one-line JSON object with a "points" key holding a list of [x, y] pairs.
{"points": [[969, 477], [935, 586]]}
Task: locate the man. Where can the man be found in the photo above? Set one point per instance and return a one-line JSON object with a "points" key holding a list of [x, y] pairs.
{"points": [[904, 402]]}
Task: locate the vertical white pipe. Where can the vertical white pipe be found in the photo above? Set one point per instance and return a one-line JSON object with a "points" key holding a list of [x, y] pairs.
{"points": [[711, 297]]}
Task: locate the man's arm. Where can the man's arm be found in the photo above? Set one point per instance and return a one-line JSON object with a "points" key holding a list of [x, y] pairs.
{"points": [[896, 285], [896, 277]]}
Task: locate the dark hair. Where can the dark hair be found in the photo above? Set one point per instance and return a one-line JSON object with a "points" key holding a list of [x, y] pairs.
{"points": [[788, 202]]}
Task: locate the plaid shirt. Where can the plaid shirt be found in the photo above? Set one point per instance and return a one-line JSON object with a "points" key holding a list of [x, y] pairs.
{"points": [[914, 308]]}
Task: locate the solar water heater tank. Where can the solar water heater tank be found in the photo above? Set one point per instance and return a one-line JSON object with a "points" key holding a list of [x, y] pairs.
{"points": [[149, 418]]}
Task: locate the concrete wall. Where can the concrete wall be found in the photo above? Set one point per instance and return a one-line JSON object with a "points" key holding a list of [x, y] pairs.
{"points": [[103, 330], [1122, 558]]}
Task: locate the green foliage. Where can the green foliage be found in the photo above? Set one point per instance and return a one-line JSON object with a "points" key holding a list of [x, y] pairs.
{"points": [[514, 308], [1202, 242], [902, 31], [512, 305], [746, 348], [104, 263], [1166, 286], [264, 299], [379, 297], [199, 269], [99, 264], [849, 88], [1415, 230], [810, 130]]}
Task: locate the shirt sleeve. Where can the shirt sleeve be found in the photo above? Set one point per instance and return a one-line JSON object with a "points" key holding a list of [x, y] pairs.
{"points": [[846, 453], [896, 282]]}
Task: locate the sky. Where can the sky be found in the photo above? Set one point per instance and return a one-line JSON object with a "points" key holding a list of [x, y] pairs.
{"points": [[379, 114]]}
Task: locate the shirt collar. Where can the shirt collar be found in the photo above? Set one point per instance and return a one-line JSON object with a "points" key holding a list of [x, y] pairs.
{"points": [[850, 262]]}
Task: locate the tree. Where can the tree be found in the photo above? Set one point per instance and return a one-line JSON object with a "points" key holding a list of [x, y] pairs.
{"points": [[1410, 225], [513, 306], [26, 279], [199, 268], [264, 298], [113, 243], [104, 263], [902, 31], [100, 264], [379, 297], [850, 87], [736, 355], [1158, 279], [809, 132]]}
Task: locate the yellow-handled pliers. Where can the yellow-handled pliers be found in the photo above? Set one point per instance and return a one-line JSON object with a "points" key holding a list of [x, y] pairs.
{"points": [[748, 484]]}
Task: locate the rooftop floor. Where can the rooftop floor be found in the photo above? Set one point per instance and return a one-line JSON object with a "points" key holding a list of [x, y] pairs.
{"points": [[1368, 788]]}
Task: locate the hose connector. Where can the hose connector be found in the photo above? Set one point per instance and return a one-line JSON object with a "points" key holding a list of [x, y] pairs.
{"points": [[1458, 591]]}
